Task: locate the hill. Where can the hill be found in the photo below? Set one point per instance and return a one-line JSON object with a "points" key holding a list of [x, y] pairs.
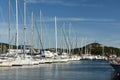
{"points": [[97, 49]]}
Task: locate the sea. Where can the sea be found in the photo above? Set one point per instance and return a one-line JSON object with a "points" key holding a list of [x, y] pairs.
{"points": [[73, 70]]}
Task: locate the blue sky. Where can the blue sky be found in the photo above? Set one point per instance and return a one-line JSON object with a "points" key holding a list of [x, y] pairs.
{"points": [[91, 20]]}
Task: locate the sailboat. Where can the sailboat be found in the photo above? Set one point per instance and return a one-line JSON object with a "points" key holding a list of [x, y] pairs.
{"points": [[6, 61], [24, 59], [57, 58]]}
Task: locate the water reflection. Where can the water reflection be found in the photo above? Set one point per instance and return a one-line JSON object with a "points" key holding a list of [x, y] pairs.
{"points": [[81, 70]]}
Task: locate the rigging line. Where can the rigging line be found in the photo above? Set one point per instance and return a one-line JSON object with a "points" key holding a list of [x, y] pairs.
{"points": [[65, 37], [39, 36]]}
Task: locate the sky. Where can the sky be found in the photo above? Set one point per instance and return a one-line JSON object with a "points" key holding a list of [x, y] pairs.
{"points": [[78, 22]]}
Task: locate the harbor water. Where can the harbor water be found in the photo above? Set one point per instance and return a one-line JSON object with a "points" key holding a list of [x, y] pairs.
{"points": [[75, 70]]}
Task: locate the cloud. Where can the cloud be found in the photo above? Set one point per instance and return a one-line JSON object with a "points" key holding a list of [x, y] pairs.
{"points": [[51, 2], [78, 19], [83, 3], [44, 1], [84, 19]]}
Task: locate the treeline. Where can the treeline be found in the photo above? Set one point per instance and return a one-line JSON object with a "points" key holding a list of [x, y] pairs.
{"points": [[93, 48]]}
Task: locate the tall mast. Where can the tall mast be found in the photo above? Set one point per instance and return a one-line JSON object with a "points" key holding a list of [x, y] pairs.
{"points": [[41, 27], [32, 30], [24, 26], [9, 22], [17, 24], [69, 39], [61, 40], [40, 34], [56, 33]]}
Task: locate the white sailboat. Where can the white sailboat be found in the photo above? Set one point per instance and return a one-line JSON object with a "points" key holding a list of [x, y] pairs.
{"points": [[5, 61], [57, 58], [23, 59]]}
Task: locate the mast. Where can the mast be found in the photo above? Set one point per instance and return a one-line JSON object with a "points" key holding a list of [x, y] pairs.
{"points": [[61, 41], [102, 50], [76, 44], [9, 23], [41, 27], [81, 51], [17, 24], [66, 38], [56, 33], [40, 34], [24, 26], [85, 45], [67, 44], [49, 44], [32, 31], [69, 39]]}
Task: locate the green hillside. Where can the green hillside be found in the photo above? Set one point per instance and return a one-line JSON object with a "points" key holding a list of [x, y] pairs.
{"points": [[97, 49]]}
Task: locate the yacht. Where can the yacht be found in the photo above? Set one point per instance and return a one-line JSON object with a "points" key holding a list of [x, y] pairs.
{"points": [[23, 60]]}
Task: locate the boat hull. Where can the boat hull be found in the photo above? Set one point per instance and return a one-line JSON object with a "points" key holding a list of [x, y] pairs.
{"points": [[116, 67]]}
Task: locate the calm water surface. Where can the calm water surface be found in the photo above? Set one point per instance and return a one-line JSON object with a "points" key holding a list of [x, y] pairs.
{"points": [[76, 70]]}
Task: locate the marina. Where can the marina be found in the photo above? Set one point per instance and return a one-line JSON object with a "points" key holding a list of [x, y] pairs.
{"points": [[59, 40]]}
